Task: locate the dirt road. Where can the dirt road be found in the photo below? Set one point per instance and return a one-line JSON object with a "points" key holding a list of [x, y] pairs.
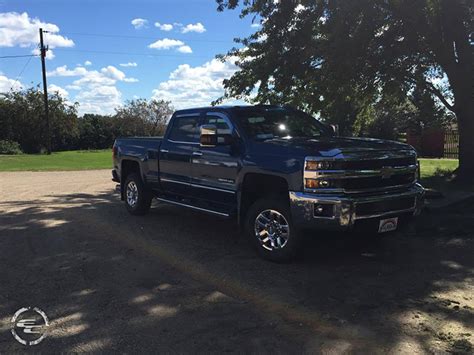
{"points": [[178, 281]]}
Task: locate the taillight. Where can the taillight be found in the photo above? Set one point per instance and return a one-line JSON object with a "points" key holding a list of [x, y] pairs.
{"points": [[114, 152]]}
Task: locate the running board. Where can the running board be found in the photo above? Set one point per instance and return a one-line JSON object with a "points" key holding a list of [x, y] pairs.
{"points": [[192, 207]]}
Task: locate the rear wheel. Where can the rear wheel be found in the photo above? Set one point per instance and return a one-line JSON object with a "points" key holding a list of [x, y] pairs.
{"points": [[137, 196], [270, 228]]}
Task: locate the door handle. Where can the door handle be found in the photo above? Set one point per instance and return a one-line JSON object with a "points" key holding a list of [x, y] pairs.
{"points": [[197, 154], [164, 150]]}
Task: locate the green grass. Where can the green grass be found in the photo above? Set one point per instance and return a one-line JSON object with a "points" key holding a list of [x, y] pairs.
{"points": [[435, 167], [102, 159], [69, 160], [437, 174]]}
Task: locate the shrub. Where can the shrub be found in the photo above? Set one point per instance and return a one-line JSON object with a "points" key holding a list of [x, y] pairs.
{"points": [[10, 147]]}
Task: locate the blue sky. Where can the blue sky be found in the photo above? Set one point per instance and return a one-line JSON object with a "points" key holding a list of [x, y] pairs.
{"points": [[163, 49]]}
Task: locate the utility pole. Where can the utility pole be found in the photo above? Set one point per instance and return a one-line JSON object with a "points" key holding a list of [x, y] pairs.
{"points": [[43, 51]]}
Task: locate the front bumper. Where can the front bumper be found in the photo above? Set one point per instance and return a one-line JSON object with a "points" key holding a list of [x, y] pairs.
{"points": [[345, 211]]}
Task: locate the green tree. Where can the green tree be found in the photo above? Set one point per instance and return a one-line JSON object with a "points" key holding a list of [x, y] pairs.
{"points": [[22, 120], [142, 118], [95, 132], [339, 58]]}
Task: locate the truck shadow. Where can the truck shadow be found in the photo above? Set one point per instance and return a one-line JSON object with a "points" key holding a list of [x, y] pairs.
{"points": [[176, 280]]}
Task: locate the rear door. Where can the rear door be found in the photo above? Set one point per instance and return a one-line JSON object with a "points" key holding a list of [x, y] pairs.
{"points": [[214, 169], [175, 154]]}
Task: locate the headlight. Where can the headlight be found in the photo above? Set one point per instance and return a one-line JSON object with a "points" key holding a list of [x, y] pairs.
{"points": [[318, 165], [317, 184]]}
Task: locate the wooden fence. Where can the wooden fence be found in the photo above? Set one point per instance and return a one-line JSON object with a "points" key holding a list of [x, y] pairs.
{"points": [[451, 144], [434, 143]]}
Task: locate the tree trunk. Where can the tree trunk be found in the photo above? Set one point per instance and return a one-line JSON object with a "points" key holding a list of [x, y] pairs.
{"points": [[465, 116], [455, 55]]}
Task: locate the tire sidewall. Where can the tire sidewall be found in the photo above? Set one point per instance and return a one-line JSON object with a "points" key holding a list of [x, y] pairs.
{"points": [[143, 201], [284, 254]]}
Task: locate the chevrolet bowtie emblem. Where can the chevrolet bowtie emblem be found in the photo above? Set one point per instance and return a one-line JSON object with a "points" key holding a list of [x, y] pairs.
{"points": [[386, 172]]}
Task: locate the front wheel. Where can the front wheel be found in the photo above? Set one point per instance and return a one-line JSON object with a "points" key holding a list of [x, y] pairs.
{"points": [[270, 227], [137, 196]]}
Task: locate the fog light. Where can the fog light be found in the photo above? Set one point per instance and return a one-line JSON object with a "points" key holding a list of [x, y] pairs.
{"points": [[323, 210], [318, 209]]}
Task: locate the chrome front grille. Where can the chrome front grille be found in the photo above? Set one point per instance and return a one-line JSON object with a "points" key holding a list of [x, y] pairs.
{"points": [[361, 172]]}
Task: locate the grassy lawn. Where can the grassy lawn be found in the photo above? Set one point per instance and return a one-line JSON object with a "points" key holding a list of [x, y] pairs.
{"points": [[70, 160], [102, 159], [433, 167]]}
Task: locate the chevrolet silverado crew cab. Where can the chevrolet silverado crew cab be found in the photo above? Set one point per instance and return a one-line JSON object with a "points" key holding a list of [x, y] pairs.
{"points": [[277, 170]]}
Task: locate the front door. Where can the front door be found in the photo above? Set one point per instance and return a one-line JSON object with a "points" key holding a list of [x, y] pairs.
{"points": [[214, 169]]}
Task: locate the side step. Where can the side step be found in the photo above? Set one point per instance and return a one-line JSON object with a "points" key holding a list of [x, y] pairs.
{"points": [[192, 207]]}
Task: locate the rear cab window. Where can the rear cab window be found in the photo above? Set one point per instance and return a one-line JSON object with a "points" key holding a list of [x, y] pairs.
{"points": [[185, 129]]}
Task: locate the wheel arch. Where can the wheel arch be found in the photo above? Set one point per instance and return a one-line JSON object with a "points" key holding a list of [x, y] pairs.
{"points": [[127, 167], [258, 185]]}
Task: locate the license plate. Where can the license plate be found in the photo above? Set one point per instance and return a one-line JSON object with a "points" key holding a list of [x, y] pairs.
{"points": [[388, 225]]}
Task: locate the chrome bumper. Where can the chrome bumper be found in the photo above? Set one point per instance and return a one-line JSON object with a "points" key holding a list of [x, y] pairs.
{"points": [[344, 207]]}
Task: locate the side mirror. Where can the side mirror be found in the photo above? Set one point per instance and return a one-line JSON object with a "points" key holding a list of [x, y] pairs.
{"points": [[208, 136], [335, 129]]}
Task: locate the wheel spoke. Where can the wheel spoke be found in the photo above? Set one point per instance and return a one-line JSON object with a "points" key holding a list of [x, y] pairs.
{"points": [[132, 193], [272, 229]]}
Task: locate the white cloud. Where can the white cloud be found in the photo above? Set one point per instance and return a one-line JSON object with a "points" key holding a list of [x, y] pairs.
{"points": [[87, 63], [185, 49], [73, 87], [52, 88], [7, 84], [255, 25], [164, 26], [166, 43], [129, 64], [64, 71], [189, 86], [21, 30], [139, 23], [97, 91], [112, 72], [197, 27], [99, 99]]}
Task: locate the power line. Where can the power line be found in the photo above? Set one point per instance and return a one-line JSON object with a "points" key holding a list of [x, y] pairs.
{"points": [[106, 35], [22, 70], [18, 56], [131, 53]]}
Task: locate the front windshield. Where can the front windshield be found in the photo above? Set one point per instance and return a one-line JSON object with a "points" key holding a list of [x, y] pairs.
{"points": [[263, 123]]}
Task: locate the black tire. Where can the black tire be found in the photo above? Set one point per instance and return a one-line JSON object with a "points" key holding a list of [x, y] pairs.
{"points": [[143, 197], [288, 250]]}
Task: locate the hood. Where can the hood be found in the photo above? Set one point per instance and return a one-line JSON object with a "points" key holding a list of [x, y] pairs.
{"points": [[333, 146]]}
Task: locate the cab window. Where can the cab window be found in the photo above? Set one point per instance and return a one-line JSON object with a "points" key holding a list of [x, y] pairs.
{"points": [[185, 129], [221, 124]]}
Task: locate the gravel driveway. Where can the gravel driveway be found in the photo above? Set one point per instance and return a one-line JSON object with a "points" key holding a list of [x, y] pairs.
{"points": [[179, 281]]}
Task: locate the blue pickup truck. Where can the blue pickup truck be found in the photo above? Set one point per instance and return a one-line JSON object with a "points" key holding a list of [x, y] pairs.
{"points": [[275, 169]]}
